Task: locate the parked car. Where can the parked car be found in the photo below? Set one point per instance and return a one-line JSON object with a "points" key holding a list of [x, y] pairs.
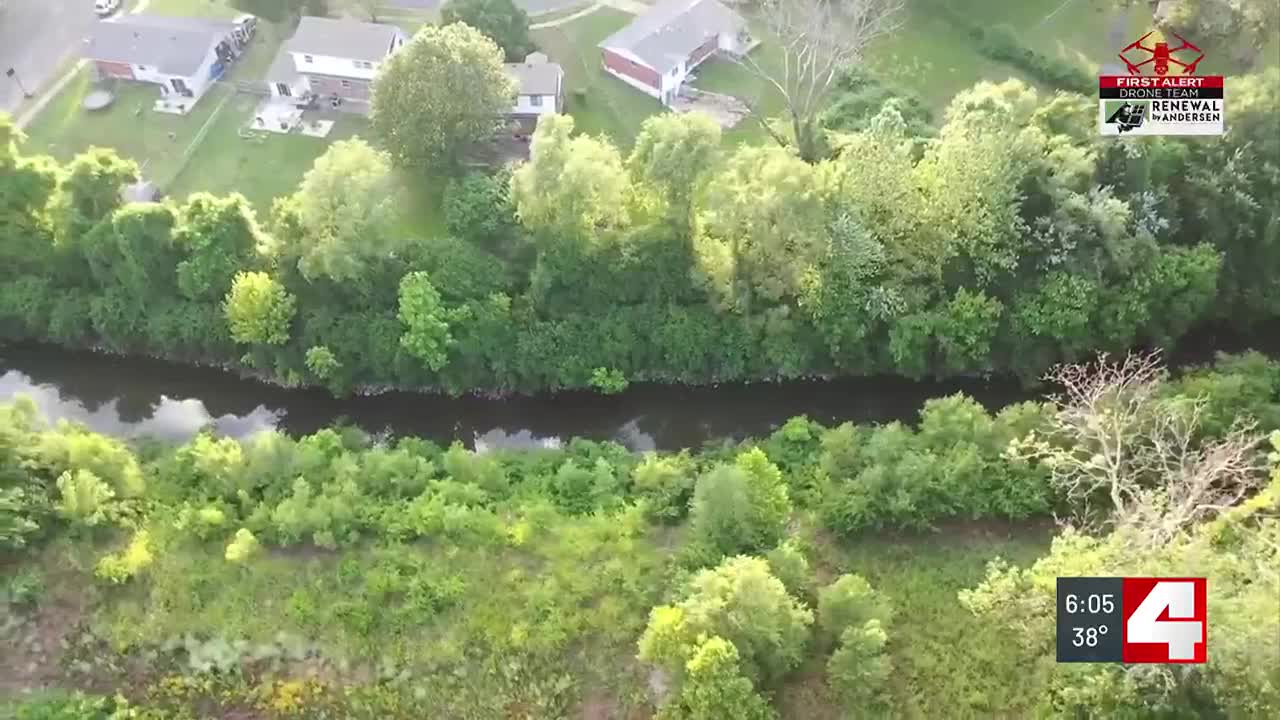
{"points": [[105, 7]]}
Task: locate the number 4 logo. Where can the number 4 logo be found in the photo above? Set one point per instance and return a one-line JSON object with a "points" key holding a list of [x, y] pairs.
{"points": [[1165, 620]]}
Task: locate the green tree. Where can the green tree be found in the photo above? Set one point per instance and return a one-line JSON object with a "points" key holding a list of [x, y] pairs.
{"points": [[343, 216], [89, 191], [26, 186], [765, 227], [135, 251], [216, 238], [741, 507], [849, 602], [714, 687], [572, 187], [502, 20], [426, 325], [478, 208], [258, 309], [441, 93], [674, 154], [858, 669], [741, 602]]}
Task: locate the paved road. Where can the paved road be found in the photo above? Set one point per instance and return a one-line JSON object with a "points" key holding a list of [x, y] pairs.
{"points": [[35, 37]]}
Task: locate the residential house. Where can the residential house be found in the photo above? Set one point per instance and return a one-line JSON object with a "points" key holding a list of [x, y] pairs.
{"points": [[656, 52], [182, 56], [539, 90], [333, 61]]}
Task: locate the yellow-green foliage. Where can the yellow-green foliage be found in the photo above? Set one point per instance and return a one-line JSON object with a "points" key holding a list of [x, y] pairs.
{"points": [[242, 547], [84, 498], [71, 448], [120, 567]]}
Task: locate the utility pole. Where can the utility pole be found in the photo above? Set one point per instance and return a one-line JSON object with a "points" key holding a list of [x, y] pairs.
{"points": [[11, 72]]}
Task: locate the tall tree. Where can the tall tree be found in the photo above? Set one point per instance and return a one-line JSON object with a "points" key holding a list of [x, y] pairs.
{"points": [[217, 237], [502, 20], [258, 309], [426, 335], [26, 185], [765, 227], [674, 154], [342, 218], [443, 92], [572, 187], [819, 39]]}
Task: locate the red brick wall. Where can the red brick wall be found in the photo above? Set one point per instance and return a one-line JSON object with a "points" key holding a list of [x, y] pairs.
{"points": [[114, 69], [326, 86], [703, 50], [619, 64]]}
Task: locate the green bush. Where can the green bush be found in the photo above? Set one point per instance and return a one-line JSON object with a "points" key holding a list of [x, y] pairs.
{"points": [[1001, 42]]}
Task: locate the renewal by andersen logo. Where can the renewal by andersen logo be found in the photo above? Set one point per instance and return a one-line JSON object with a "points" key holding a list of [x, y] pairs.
{"points": [[1161, 94]]}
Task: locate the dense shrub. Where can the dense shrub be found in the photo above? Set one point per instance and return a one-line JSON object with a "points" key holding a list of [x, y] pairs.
{"points": [[1001, 42]]}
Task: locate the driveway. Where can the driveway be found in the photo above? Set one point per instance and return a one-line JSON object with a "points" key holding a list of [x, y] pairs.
{"points": [[35, 37]]}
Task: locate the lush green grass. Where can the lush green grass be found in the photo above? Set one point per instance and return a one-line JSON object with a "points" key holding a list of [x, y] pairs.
{"points": [[157, 141], [476, 624], [943, 666], [262, 167], [611, 107]]}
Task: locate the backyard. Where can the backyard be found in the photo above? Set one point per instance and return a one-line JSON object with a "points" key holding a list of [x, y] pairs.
{"points": [[207, 149], [598, 102]]}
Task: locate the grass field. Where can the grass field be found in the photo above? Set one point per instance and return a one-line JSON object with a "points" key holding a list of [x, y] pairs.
{"points": [[262, 167], [610, 107], [157, 141]]}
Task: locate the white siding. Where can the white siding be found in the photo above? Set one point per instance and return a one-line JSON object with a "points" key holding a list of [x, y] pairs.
{"points": [[327, 65], [198, 82], [524, 105]]}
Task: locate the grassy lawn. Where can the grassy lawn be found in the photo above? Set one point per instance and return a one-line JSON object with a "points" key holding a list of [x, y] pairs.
{"points": [[942, 665], [156, 140], [611, 107], [262, 167]]}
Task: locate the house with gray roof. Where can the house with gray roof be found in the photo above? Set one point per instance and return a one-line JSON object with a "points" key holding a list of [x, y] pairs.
{"points": [[539, 89], [183, 56], [333, 61], [656, 52]]}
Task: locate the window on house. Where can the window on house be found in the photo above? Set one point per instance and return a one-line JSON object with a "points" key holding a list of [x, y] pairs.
{"points": [[535, 100], [346, 83], [306, 58]]}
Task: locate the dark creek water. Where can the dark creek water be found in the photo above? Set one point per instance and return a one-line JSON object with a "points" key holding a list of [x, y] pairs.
{"points": [[135, 397]]}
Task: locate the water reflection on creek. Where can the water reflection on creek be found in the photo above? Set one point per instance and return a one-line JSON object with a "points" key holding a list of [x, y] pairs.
{"points": [[133, 397]]}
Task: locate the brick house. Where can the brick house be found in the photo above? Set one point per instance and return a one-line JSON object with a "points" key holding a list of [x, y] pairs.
{"points": [[332, 61], [658, 50]]}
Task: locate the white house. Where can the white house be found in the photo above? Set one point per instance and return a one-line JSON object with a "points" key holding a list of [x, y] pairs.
{"points": [[333, 60], [182, 56], [656, 52], [539, 89]]}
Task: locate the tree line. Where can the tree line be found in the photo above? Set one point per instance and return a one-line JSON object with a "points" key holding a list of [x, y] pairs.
{"points": [[1005, 239]]}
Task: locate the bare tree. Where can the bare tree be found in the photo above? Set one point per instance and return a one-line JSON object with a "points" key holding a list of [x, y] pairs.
{"points": [[1114, 435], [819, 38]]}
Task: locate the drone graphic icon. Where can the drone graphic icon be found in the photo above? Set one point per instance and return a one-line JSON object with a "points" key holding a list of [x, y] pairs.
{"points": [[1162, 56]]}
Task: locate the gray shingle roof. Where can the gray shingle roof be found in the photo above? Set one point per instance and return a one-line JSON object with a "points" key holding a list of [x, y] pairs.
{"points": [[342, 38], [282, 68], [176, 46], [536, 76], [673, 29]]}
